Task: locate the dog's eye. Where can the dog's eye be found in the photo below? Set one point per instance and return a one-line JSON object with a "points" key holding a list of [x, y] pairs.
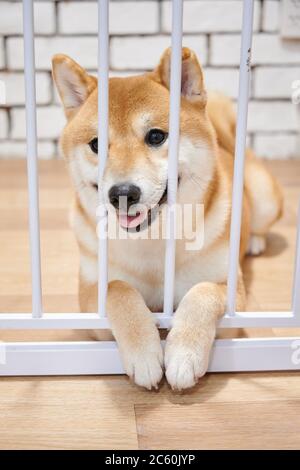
{"points": [[94, 145], [156, 137]]}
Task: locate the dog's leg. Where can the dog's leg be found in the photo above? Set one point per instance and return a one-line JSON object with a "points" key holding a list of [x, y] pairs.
{"points": [[266, 202], [194, 328], [133, 326]]}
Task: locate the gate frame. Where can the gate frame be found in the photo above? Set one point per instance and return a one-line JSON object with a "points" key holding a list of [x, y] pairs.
{"points": [[102, 357]]}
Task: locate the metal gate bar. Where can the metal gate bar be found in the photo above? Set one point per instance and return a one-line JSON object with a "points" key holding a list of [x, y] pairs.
{"points": [[32, 171], [103, 110], [86, 321], [296, 284], [174, 130], [102, 357], [239, 158]]}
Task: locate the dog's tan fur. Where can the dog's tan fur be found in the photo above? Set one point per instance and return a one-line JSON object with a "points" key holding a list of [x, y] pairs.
{"points": [[136, 267]]}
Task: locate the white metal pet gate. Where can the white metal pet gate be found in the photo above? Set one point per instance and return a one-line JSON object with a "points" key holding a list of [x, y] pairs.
{"points": [[54, 358]]}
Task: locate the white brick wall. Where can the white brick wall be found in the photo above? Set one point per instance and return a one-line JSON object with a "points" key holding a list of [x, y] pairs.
{"points": [[144, 52], [271, 49], [82, 49], [17, 149], [267, 49], [275, 82], [3, 124], [276, 116], [271, 12], [11, 21], [125, 17], [272, 145], [15, 89], [209, 16], [225, 49], [50, 121], [2, 62], [139, 34], [222, 79]]}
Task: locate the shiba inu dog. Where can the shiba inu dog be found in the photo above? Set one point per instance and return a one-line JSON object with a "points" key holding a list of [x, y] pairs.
{"points": [[137, 171]]}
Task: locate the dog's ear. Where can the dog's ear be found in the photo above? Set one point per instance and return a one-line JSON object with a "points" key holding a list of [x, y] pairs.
{"points": [[192, 82], [73, 83]]}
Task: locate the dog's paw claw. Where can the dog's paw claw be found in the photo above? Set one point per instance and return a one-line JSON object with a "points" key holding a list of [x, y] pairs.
{"points": [[185, 365], [145, 368]]}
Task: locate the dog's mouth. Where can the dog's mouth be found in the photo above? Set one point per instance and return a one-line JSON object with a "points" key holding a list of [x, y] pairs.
{"points": [[142, 218]]}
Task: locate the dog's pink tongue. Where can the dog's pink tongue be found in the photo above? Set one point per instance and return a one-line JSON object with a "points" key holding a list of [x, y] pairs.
{"points": [[131, 221]]}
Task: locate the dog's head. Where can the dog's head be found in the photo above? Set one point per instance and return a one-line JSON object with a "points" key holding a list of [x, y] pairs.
{"points": [[135, 180]]}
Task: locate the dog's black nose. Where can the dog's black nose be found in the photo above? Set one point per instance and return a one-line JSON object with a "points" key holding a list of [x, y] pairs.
{"points": [[129, 194]]}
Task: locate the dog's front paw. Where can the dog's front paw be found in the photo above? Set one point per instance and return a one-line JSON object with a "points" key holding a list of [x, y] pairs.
{"points": [[144, 364], [257, 245], [185, 363]]}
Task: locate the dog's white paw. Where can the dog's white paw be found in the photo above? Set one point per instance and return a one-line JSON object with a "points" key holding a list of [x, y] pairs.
{"points": [[185, 364], [257, 245], [145, 365]]}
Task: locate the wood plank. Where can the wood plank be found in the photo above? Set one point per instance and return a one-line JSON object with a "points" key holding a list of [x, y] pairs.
{"points": [[55, 303], [52, 174], [64, 414], [50, 219], [220, 426], [58, 278], [37, 417]]}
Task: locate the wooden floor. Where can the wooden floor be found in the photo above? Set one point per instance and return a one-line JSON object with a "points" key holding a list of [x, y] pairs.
{"points": [[224, 411]]}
